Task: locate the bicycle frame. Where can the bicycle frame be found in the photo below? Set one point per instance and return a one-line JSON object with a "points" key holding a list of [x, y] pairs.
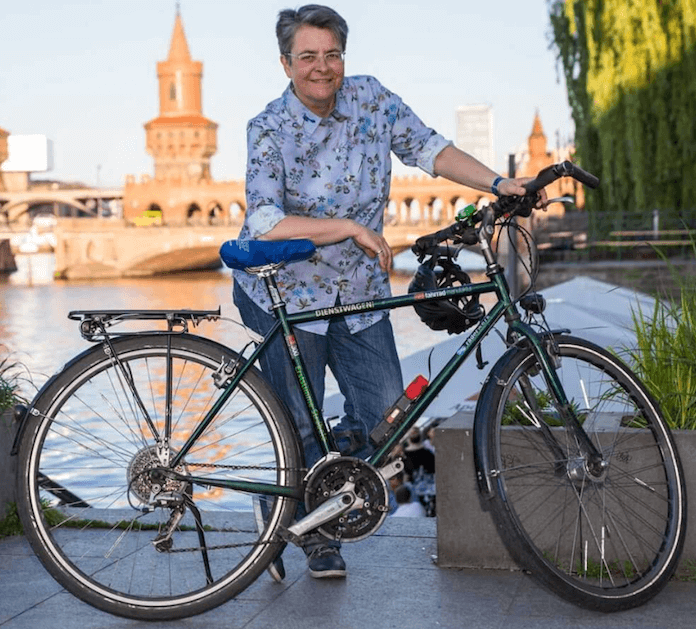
{"points": [[603, 531], [504, 307]]}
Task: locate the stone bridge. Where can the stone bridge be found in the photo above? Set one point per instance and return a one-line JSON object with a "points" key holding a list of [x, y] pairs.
{"points": [[15, 205], [108, 248], [99, 247]]}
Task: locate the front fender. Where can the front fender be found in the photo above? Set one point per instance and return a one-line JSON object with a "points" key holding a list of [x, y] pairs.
{"points": [[490, 394]]}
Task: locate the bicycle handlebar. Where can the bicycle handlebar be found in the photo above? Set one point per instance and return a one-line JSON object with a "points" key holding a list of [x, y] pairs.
{"points": [[556, 171], [463, 231]]}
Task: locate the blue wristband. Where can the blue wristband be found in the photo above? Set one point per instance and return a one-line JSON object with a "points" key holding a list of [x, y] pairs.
{"points": [[494, 187]]}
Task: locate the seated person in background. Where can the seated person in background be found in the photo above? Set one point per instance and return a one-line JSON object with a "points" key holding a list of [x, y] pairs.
{"points": [[417, 456], [394, 483], [429, 442], [406, 508]]}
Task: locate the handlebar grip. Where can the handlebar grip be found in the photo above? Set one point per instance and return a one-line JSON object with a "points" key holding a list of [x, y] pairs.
{"points": [[556, 171], [543, 179], [425, 242], [584, 177], [460, 232]]}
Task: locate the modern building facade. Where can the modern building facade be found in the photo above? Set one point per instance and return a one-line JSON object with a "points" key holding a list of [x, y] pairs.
{"points": [[474, 132]]}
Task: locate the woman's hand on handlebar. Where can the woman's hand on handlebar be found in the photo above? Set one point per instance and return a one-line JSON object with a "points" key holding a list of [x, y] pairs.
{"points": [[509, 187]]}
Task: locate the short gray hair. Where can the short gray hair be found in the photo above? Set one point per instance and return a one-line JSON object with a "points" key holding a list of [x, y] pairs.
{"points": [[317, 15]]}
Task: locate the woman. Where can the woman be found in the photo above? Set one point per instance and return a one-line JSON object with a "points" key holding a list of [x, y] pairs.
{"points": [[319, 167]]}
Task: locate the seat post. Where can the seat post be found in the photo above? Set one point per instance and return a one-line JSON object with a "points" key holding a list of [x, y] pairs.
{"points": [[268, 274]]}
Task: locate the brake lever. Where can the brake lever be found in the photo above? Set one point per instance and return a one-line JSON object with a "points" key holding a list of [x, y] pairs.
{"points": [[565, 199]]}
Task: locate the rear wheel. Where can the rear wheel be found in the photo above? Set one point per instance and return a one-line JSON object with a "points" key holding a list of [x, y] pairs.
{"points": [[98, 503], [605, 537]]}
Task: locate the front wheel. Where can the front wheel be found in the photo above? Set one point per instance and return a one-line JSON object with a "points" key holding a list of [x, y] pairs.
{"points": [[101, 511], [606, 537]]}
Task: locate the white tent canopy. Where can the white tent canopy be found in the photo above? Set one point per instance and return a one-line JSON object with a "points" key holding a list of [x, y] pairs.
{"points": [[588, 308]]}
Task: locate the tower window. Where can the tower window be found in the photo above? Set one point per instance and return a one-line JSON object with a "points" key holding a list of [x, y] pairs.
{"points": [[172, 92]]}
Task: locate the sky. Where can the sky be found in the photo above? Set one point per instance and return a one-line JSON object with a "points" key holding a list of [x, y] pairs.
{"points": [[83, 73]]}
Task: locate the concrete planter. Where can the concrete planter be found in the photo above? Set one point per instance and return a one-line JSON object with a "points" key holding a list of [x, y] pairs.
{"points": [[8, 464], [466, 535]]}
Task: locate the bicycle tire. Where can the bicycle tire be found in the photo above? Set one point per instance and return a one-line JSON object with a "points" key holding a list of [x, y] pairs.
{"points": [[606, 542], [85, 483]]}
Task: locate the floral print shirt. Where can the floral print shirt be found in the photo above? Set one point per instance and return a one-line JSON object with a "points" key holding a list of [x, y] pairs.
{"points": [[336, 167]]}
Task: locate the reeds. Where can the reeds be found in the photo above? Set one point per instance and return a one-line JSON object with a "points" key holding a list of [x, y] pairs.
{"points": [[12, 373], [665, 354]]}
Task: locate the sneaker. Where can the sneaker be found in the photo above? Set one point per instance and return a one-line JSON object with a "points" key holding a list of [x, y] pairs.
{"points": [[325, 562]]}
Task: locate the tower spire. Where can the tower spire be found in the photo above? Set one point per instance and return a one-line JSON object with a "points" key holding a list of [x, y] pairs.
{"points": [[537, 139], [537, 128], [178, 49], [181, 139]]}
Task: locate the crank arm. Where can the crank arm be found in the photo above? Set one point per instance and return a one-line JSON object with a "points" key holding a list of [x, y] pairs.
{"points": [[391, 469], [327, 511]]}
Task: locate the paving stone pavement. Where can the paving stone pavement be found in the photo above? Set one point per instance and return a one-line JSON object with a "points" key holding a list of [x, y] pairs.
{"points": [[393, 582]]}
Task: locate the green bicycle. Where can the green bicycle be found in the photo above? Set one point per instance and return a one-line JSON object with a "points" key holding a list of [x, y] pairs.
{"points": [[144, 462]]}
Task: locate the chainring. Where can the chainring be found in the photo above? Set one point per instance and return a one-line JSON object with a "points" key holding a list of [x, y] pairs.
{"points": [[343, 474]]}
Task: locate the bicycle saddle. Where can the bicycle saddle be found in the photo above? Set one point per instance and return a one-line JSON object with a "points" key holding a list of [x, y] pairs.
{"points": [[244, 254]]}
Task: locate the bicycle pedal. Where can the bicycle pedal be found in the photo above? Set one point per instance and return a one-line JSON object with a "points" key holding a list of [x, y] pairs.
{"points": [[289, 537]]}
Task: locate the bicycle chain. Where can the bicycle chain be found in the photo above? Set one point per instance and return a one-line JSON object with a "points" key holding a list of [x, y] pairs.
{"points": [[248, 467], [233, 467], [219, 547]]}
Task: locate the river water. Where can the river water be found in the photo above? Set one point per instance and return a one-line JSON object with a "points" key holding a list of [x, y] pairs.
{"points": [[35, 329]]}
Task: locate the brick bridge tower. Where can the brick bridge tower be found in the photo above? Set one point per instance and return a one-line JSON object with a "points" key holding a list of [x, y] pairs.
{"points": [[181, 140], [539, 157]]}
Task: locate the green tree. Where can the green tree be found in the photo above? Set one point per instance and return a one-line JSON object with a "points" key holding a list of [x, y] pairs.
{"points": [[630, 70]]}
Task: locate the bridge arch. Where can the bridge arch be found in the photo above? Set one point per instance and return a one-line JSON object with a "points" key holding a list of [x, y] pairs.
{"points": [[435, 211], [404, 211], [194, 214], [15, 210], [215, 214], [175, 261], [391, 213], [236, 211]]}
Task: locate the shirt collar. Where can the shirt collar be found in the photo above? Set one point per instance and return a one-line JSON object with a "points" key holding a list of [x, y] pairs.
{"points": [[307, 118]]}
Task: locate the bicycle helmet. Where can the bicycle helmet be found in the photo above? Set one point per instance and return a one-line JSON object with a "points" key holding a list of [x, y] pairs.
{"points": [[454, 315]]}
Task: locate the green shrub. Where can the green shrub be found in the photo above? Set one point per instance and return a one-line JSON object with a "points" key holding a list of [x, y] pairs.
{"points": [[10, 381], [665, 354], [10, 524]]}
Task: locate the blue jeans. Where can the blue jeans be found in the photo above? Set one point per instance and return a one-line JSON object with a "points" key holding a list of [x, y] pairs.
{"points": [[365, 365]]}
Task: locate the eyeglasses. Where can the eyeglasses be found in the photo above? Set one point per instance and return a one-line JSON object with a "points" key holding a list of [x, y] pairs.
{"points": [[307, 59]]}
